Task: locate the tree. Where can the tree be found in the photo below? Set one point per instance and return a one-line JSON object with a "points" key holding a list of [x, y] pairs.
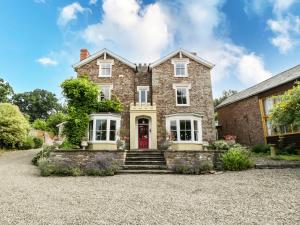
{"points": [[38, 104], [287, 111], [225, 95], [55, 119], [6, 91], [14, 126]]}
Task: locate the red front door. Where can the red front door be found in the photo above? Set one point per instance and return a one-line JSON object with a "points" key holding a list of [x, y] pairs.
{"points": [[143, 136]]}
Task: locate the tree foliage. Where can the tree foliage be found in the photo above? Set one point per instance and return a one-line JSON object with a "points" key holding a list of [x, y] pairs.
{"points": [[38, 104], [224, 96], [287, 111], [82, 98], [6, 91], [13, 126]]}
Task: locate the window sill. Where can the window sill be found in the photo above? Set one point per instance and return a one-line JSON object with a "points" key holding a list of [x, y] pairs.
{"points": [[102, 142], [181, 76], [183, 105], [187, 142], [103, 76]]}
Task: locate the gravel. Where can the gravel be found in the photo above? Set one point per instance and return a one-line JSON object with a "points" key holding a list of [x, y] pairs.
{"points": [[249, 197]]}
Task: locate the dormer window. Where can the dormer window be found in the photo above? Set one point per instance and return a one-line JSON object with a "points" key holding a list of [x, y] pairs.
{"points": [[180, 67], [105, 67]]}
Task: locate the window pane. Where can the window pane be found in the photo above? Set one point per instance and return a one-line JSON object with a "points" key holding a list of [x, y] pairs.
{"points": [[182, 124], [173, 128], [143, 96], [187, 124], [101, 130], [196, 135], [180, 69], [104, 92], [185, 130], [112, 135], [188, 135], [181, 96], [268, 105], [195, 125], [91, 124], [105, 69], [113, 125]]}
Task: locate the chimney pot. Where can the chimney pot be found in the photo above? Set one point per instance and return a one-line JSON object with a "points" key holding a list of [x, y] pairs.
{"points": [[84, 53]]}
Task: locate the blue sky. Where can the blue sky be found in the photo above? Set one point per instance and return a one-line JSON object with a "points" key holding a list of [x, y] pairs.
{"points": [[247, 40]]}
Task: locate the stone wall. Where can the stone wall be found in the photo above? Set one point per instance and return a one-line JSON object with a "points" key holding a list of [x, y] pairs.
{"points": [[83, 157], [123, 84], [191, 156], [201, 100]]}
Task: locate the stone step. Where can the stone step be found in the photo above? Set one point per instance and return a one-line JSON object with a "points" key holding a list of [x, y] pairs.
{"points": [[127, 162], [145, 171], [142, 158], [145, 152], [144, 167]]}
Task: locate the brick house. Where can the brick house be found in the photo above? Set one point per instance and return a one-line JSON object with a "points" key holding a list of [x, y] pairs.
{"points": [[171, 97], [246, 114]]}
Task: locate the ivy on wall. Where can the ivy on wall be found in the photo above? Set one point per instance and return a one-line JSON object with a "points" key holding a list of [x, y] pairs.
{"points": [[82, 99]]}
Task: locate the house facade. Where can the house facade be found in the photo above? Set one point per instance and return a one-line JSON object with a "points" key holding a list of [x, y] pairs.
{"points": [[170, 98], [246, 114]]}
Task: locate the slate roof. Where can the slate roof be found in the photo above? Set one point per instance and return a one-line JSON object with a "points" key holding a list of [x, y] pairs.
{"points": [[277, 80]]}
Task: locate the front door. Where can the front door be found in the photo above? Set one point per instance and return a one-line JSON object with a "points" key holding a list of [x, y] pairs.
{"points": [[143, 131]]}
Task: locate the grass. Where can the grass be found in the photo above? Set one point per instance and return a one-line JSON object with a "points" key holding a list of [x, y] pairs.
{"points": [[287, 157]]}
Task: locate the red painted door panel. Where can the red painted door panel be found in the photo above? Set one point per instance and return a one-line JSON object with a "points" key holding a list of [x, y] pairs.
{"points": [[143, 136]]}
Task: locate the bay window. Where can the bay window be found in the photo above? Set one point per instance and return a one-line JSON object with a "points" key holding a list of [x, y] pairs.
{"points": [[104, 128], [184, 128]]}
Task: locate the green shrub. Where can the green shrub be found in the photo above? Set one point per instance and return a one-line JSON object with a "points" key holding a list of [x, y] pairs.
{"points": [[236, 159], [14, 126], [58, 168], [55, 119], [220, 145], [67, 145], [38, 142], [261, 148], [40, 124], [42, 154], [288, 150], [27, 144], [197, 167]]}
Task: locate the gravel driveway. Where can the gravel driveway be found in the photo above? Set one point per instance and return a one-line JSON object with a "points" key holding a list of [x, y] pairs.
{"points": [[250, 197]]}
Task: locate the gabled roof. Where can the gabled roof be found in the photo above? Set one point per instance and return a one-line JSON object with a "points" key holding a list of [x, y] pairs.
{"points": [[277, 80], [97, 54], [184, 52]]}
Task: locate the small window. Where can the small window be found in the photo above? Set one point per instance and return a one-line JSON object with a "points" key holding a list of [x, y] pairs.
{"points": [[105, 93], [182, 96], [173, 128], [185, 130], [101, 126], [143, 94], [105, 70], [112, 130], [180, 69]]}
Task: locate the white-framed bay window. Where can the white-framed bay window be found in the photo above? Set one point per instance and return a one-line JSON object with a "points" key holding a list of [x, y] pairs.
{"points": [[105, 67], [184, 128], [104, 128], [105, 91], [180, 67], [182, 94]]}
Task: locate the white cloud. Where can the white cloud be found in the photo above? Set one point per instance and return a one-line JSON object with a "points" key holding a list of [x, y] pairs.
{"points": [[47, 61], [251, 69], [128, 26], [143, 33], [69, 13], [93, 2]]}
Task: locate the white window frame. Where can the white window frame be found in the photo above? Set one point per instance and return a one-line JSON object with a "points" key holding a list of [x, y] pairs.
{"points": [[184, 61], [192, 118], [140, 89], [108, 117], [185, 86], [110, 86], [105, 61]]}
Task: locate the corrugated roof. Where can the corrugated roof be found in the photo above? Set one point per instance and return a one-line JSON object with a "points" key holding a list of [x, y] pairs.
{"points": [[279, 79]]}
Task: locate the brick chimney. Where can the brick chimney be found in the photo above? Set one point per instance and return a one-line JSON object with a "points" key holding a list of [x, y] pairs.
{"points": [[84, 53], [194, 53]]}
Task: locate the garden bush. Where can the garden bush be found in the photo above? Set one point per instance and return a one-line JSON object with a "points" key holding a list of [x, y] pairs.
{"points": [[42, 154], [67, 145], [38, 142], [288, 149], [261, 148], [197, 167], [220, 145], [14, 126], [28, 143], [237, 158], [102, 166], [58, 168], [40, 124]]}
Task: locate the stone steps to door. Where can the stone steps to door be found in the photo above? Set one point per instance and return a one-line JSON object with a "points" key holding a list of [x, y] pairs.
{"points": [[145, 161]]}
